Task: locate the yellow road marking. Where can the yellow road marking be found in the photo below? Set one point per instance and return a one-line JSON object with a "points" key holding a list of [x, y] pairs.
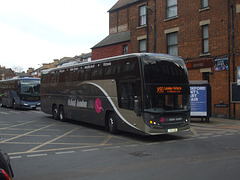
{"points": [[48, 142], [105, 140], [204, 128], [26, 133], [57, 149], [230, 127], [194, 132], [39, 143], [17, 125]]}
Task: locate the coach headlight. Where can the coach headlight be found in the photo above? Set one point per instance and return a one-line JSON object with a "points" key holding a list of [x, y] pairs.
{"points": [[187, 121], [25, 104]]}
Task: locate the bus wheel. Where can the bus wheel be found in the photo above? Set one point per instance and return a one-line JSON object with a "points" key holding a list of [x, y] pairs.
{"points": [[14, 105], [61, 113], [55, 112], [112, 123]]}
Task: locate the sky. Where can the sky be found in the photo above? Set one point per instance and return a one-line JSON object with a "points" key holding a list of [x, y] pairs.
{"points": [[33, 32]]}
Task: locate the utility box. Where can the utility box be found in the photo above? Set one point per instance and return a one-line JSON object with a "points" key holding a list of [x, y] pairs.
{"points": [[200, 99]]}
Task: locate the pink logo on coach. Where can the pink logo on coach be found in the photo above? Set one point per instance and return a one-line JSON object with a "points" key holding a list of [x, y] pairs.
{"points": [[98, 105]]}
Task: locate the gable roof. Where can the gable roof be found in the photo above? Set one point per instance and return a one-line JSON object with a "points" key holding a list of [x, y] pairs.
{"points": [[6, 70], [114, 39], [122, 3]]}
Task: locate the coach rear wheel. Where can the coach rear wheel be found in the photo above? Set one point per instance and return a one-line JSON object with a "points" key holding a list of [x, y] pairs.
{"points": [[112, 123], [61, 113]]}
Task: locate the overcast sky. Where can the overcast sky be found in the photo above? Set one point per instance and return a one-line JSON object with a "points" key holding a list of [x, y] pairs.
{"points": [[33, 32]]}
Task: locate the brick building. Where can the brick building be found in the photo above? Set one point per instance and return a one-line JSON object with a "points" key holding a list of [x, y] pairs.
{"points": [[6, 73], [205, 33]]}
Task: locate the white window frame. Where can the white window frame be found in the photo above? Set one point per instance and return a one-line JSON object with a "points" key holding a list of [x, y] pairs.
{"points": [[142, 15], [172, 46], [142, 45], [204, 3], [205, 39], [171, 8], [125, 49]]}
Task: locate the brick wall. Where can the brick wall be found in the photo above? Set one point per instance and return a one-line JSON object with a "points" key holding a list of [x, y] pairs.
{"points": [[118, 21], [109, 51]]}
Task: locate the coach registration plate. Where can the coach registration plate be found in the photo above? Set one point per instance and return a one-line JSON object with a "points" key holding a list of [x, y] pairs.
{"points": [[172, 130]]}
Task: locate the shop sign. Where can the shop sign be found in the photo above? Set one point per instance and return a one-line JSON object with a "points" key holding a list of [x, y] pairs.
{"points": [[221, 64], [201, 63]]}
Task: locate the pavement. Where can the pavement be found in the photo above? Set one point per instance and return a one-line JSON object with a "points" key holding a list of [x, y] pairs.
{"points": [[215, 127], [215, 122]]}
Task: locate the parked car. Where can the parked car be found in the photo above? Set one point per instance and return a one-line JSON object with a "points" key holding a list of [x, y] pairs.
{"points": [[6, 172]]}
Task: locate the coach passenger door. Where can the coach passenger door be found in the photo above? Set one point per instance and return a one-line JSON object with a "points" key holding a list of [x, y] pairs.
{"points": [[129, 87]]}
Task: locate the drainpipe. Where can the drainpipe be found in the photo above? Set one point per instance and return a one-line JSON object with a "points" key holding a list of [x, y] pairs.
{"points": [[229, 62], [233, 43], [233, 55], [117, 21], [154, 29], [147, 25]]}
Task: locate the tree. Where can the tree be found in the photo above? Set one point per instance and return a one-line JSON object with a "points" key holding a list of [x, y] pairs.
{"points": [[17, 68]]}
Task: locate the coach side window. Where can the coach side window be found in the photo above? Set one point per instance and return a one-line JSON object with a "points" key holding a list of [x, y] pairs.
{"points": [[45, 78], [111, 70], [87, 74], [97, 72], [75, 74], [62, 75], [54, 77], [80, 74]]}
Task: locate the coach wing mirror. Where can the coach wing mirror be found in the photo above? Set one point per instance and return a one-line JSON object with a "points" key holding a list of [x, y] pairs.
{"points": [[136, 107]]}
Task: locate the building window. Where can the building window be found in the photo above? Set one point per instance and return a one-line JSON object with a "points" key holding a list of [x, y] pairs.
{"points": [[205, 76], [142, 46], [172, 43], [125, 49], [171, 8], [142, 15], [204, 3], [205, 40]]}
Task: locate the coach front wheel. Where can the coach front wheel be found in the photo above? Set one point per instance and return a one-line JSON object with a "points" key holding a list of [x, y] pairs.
{"points": [[55, 112], [112, 123], [14, 105]]}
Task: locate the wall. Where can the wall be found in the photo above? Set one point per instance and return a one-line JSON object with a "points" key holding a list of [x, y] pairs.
{"points": [[109, 51]]}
